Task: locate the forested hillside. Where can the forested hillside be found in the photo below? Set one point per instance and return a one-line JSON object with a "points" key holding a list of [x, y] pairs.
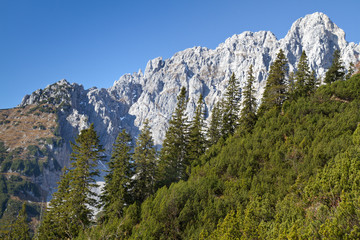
{"points": [[295, 176]]}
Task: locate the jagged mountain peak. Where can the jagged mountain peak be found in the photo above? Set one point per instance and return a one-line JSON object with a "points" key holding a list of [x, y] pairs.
{"points": [[319, 37], [152, 94]]}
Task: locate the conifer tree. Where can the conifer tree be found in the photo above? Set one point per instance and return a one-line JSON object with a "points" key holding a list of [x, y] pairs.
{"points": [[336, 71], [291, 86], [214, 131], [248, 112], [350, 71], [275, 89], [54, 224], [197, 141], [312, 84], [302, 77], [20, 229], [231, 107], [70, 209], [87, 151], [116, 193], [145, 164], [174, 154]]}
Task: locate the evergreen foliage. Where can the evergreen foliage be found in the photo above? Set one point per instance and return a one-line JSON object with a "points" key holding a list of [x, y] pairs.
{"points": [[174, 153], [87, 151], [231, 106], [20, 229], [71, 209], [197, 140], [312, 84], [275, 90], [214, 131], [248, 112], [350, 71], [54, 224], [118, 185], [145, 164], [336, 71], [302, 77]]}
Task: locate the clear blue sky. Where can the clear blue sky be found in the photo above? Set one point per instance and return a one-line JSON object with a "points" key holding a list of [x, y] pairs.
{"points": [[95, 42]]}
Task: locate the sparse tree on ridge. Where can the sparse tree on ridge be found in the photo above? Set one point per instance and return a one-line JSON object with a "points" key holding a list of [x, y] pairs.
{"points": [[275, 90], [302, 77], [248, 112]]}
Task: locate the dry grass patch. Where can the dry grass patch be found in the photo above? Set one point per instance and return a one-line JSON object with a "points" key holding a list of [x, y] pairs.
{"points": [[21, 127]]}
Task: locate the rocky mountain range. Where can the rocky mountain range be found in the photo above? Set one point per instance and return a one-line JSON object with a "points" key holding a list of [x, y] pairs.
{"points": [[151, 94]]}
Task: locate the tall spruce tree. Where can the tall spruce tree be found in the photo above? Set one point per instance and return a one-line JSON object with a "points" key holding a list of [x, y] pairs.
{"points": [[117, 190], [20, 229], [214, 131], [87, 151], [197, 140], [302, 77], [275, 90], [71, 208], [174, 153], [145, 164], [248, 112], [336, 71], [231, 107]]}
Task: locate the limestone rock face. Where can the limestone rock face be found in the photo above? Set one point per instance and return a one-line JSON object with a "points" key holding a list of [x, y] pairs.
{"points": [[152, 94], [206, 71]]}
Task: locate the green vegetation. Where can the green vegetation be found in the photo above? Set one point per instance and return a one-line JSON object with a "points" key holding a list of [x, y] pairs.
{"points": [[173, 157], [275, 90], [295, 175], [20, 229], [117, 190], [145, 165], [248, 112], [230, 110], [71, 208], [336, 71], [289, 171]]}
